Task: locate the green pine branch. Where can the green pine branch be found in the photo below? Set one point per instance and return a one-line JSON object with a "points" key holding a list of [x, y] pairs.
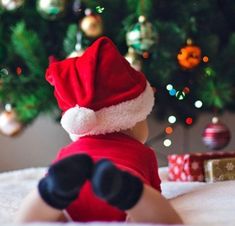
{"points": [[70, 39], [215, 94], [28, 46]]}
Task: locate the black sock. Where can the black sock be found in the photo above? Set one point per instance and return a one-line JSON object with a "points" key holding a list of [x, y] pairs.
{"points": [[64, 179], [117, 187]]}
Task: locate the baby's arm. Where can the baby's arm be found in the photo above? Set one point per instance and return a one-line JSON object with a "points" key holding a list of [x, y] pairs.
{"points": [[153, 208], [34, 209]]}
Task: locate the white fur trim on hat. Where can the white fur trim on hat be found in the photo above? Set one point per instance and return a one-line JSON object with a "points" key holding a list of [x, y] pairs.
{"points": [[114, 118], [78, 120]]}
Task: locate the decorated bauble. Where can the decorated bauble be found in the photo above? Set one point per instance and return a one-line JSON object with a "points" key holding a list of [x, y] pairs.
{"points": [[134, 59], [11, 5], [9, 124], [51, 9], [189, 56], [216, 135], [92, 25], [142, 36]]}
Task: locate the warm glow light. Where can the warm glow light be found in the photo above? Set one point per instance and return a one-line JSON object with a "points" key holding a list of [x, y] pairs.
{"points": [[215, 120], [145, 55], [169, 130], [205, 59]]}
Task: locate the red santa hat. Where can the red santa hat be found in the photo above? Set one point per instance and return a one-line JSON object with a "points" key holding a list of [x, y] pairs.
{"points": [[99, 92]]}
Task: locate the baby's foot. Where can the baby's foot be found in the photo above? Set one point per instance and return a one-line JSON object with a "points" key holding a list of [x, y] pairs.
{"points": [[117, 187], [64, 180]]}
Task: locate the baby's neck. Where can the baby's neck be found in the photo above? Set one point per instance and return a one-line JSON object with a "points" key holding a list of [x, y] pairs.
{"points": [[129, 132]]}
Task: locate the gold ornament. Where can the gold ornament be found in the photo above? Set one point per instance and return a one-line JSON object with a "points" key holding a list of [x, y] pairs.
{"points": [[134, 59], [189, 56], [11, 5], [51, 9], [9, 124], [92, 25]]}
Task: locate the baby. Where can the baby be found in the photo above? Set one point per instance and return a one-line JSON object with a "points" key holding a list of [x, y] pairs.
{"points": [[107, 173]]}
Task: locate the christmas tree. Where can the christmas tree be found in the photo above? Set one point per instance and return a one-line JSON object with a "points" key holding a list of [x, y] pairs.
{"points": [[185, 49]]}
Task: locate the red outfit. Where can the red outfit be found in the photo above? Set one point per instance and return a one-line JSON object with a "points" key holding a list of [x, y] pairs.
{"points": [[127, 154]]}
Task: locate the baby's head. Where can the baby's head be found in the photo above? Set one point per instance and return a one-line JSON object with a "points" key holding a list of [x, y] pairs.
{"points": [[100, 92]]}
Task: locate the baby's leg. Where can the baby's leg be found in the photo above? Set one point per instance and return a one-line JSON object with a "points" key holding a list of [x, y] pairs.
{"points": [[127, 192], [34, 208], [152, 207], [57, 189]]}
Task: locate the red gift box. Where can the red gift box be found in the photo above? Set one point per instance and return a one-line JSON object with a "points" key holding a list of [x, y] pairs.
{"points": [[190, 166]]}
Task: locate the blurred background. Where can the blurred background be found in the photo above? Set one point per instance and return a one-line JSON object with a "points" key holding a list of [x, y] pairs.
{"points": [[186, 50]]}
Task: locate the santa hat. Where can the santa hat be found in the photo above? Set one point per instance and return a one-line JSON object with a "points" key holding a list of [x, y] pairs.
{"points": [[99, 92]]}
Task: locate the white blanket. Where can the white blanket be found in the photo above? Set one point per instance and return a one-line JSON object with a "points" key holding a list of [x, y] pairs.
{"points": [[197, 203]]}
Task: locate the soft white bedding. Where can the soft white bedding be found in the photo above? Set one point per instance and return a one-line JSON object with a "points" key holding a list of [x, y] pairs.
{"points": [[197, 203]]}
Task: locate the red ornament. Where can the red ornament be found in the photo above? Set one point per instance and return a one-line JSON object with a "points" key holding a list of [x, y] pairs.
{"points": [[216, 135]]}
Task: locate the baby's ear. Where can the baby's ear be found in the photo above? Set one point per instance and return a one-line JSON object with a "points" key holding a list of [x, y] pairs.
{"points": [[154, 89]]}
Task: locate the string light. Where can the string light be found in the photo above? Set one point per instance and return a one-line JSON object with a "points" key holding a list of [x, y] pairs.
{"points": [[189, 121], [8, 107], [169, 87], [145, 55], [172, 119], [205, 59], [180, 95], [169, 130], [172, 92], [186, 90], [99, 9], [198, 104], [167, 142], [215, 120]]}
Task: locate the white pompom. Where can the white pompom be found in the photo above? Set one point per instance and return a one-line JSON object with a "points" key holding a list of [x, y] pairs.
{"points": [[78, 120]]}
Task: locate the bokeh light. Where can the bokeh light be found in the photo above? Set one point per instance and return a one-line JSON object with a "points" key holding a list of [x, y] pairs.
{"points": [[186, 90], [172, 119], [172, 92], [99, 9], [167, 142], [215, 120], [198, 104], [145, 55], [205, 59], [169, 87], [180, 95], [169, 130], [8, 107], [209, 72], [189, 121]]}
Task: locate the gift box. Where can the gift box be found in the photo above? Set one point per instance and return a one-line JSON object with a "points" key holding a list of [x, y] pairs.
{"points": [[190, 166], [219, 169]]}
